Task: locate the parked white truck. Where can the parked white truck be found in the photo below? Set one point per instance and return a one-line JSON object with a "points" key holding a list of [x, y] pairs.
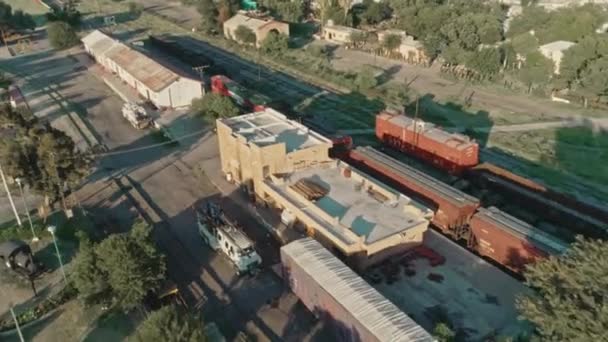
{"points": [[222, 235], [136, 115]]}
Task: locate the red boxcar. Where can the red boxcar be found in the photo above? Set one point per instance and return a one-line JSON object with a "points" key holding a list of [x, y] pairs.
{"points": [[346, 303], [453, 208], [449, 151], [510, 241]]}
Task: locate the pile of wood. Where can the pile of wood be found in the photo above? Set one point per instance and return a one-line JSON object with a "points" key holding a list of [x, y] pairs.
{"points": [[309, 189], [378, 196]]}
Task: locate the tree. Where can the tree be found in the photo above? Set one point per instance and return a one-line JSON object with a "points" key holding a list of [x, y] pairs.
{"points": [[524, 43], [61, 35], [132, 264], [358, 38], [537, 70], [375, 12], [87, 278], [226, 9], [214, 106], [209, 16], [169, 324], [444, 333], [486, 62], [291, 11], [391, 42], [17, 20], [43, 156], [365, 79], [66, 13], [245, 35], [275, 43], [570, 299]]}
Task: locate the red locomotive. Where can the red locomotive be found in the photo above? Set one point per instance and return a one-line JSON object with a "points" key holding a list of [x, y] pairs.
{"points": [[249, 100], [452, 152]]}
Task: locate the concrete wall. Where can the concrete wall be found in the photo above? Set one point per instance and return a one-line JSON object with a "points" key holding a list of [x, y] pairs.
{"points": [[337, 34], [250, 163], [264, 30]]}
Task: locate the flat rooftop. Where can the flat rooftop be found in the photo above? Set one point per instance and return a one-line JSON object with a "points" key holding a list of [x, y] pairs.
{"points": [[475, 296], [271, 127], [358, 212], [429, 130]]}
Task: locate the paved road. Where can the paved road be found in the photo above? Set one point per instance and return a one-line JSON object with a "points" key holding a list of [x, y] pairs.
{"points": [[165, 176]]}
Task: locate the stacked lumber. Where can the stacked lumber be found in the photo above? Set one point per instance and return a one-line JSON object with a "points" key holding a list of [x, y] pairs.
{"points": [[309, 189], [378, 196]]}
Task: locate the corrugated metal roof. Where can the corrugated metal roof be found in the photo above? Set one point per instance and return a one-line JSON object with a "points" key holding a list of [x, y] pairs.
{"points": [[421, 178], [430, 131], [143, 68], [522, 229], [376, 313]]}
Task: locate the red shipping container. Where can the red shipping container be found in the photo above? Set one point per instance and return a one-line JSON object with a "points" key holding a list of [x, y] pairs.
{"points": [[510, 241], [354, 310], [452, 152], [453, 208]]}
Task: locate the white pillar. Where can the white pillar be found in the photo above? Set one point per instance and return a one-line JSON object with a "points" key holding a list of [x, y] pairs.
{"points": [[10, 198]]}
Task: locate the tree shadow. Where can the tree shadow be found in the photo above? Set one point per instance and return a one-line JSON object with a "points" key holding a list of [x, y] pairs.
{"points": [[32, 330], [388, 74], [112, 325]]}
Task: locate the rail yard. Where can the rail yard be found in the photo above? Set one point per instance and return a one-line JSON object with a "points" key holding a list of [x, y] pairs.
{"points": [[471, 201], [276, 223]]}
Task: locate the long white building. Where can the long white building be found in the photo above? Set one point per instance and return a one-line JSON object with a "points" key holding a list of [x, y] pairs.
{"points": [[165, 88]]}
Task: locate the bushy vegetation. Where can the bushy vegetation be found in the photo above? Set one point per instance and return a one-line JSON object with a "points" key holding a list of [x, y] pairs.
{"points": [[44, 157], [122, 268], [213, 106], [170, 324], [569, 303]]}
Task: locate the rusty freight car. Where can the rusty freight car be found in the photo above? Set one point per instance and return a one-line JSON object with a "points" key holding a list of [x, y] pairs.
{"points": [[453, 208], [451, 152], [578, 217], [351, 308], [510, 241]]}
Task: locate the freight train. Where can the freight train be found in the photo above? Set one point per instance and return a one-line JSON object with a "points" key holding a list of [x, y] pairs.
{"points": [[489, 232], [248, 100], [458, 154]]}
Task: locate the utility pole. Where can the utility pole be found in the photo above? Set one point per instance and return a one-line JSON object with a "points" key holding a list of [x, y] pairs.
{"points": [[201, 72], [10, 198], [16, 323], [52, 230], [27, 210]]}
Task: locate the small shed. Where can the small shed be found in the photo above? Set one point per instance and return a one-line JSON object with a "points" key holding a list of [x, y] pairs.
{"points": [[555, 52]]}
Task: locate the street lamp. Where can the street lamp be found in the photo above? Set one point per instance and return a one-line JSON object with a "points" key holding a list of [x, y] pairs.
{"points": [[27, 210], [52, 230]]}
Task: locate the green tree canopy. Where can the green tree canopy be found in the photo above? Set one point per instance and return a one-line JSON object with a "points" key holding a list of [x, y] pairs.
{"points": [[170, 324], [16, 20], [287, 10], [358, 38], [61, 35], [245, 35], [214, 106], [524, 43], [443, 333], [375, 12], [391, 42], [486, 62], [537, 70], [132, 264], [570, 302], [209, 14], [582, 68], [275, 43], [43, 156], [365, 79], [87, 278]]}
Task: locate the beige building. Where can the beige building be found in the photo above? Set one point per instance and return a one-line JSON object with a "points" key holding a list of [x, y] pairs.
{"points": [[411, 50], [287, 167], [165, 88], [261, 27], [555, 52], [338, 34]]}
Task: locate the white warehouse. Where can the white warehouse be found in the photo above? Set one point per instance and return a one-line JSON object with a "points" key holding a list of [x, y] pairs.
{"points": [[163, 87]]}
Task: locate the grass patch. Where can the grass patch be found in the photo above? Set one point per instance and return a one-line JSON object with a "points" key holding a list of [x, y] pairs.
{"points": [[576, 151]]}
